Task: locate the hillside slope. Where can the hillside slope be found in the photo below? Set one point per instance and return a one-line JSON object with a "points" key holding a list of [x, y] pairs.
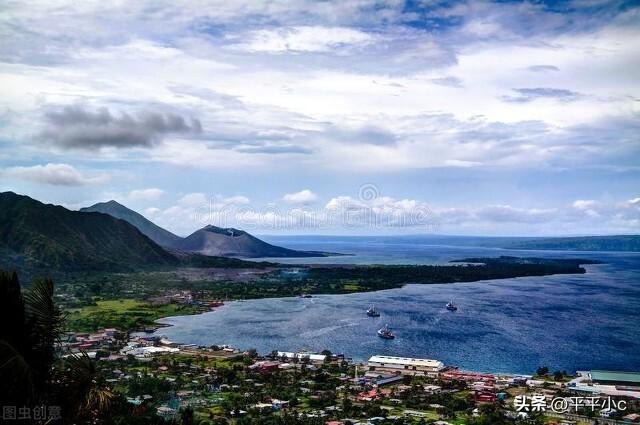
{"points": [[41, 236], [156, 233]]}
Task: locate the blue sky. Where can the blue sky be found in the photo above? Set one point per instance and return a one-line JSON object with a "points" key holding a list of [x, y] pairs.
{"points": [[332, 117]]}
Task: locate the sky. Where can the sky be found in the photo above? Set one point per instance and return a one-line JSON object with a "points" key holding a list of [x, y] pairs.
{"points": [[329, 117]]}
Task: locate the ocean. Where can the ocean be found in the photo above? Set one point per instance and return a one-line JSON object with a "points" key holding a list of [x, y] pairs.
{"points": [[564, 322]]}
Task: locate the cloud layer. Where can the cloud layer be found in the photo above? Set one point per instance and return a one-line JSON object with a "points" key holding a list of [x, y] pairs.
{"points": [[266, 98], [371, 215]]}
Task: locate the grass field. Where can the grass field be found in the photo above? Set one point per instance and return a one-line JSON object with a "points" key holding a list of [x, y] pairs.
{"points": [[123, 314]]}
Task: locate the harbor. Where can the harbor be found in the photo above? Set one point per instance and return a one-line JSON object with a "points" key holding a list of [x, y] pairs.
{"points": [[508, 325]]}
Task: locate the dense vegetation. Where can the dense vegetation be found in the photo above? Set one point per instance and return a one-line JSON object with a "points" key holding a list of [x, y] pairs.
{"points": [[35, 235], [284, 282], [384, 277]]}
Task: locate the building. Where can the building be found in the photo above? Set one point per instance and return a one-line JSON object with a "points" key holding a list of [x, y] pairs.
{"points": [[303, 356], [606, 383], [147, 350], [405, 365], [166, 412], [468, 377], [264, 367], [619, 379]]}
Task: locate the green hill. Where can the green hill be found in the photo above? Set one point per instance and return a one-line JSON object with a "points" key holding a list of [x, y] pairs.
{"points": [[44, 238], [37, 236]]}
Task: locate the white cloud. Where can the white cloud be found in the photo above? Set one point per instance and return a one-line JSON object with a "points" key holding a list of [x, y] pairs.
{"points": [[372, 213], [302, 198], [583, 204], [193, 200], [152, 211], [150, 194], [54, 174], [235, 200], [509, 214], [305, 39]]}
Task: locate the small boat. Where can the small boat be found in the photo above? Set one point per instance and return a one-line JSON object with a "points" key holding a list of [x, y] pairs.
{"points": [[386, 333], [305, 296], [372, 312], [451, 306]]}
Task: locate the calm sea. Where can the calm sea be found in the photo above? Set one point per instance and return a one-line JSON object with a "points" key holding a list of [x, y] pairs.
{"points": [[569, 322]]}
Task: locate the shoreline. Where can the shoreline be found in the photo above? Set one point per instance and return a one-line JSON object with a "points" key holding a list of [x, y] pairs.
{"points": [[359, 359], [157, 325]]}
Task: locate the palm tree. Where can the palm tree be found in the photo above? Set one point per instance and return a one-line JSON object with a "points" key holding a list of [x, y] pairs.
{"points": [[81, 385], [31, 326]]}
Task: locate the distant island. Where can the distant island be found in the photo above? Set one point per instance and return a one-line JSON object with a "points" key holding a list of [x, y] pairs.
{"points": [[629, 243], [619, 243]]}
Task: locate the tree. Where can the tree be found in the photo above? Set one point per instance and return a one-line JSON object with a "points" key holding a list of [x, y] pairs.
{"points": [[186, 416], [31, 326], [490, 414], [27, 339], [542, 371], [82, 388]]}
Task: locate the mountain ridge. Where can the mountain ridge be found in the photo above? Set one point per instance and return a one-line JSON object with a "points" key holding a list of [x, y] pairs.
{"points": [[44, 238], [156, 233], [210, 240]]}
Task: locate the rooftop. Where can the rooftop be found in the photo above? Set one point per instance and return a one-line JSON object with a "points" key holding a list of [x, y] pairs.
{"points": [[606, 375], [302, 355], [406, 361]]}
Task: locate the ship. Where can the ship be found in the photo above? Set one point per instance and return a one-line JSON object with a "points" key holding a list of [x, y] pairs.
{"points": [[386, 333], [451, 306], [372, 312]]}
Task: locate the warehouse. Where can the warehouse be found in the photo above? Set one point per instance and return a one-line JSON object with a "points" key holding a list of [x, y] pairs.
{"points": [[619, 379], [405, 365]]}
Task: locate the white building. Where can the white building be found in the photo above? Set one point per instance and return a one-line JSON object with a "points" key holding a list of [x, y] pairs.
{"points": [[405, 365], [147, 350], [303, 355]]}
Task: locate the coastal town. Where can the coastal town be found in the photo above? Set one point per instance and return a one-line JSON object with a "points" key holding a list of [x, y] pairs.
{"points": [[223, 385], [320, 212]]}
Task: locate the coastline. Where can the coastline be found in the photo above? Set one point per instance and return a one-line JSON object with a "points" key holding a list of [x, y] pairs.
{"points": [[457, 263]]}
